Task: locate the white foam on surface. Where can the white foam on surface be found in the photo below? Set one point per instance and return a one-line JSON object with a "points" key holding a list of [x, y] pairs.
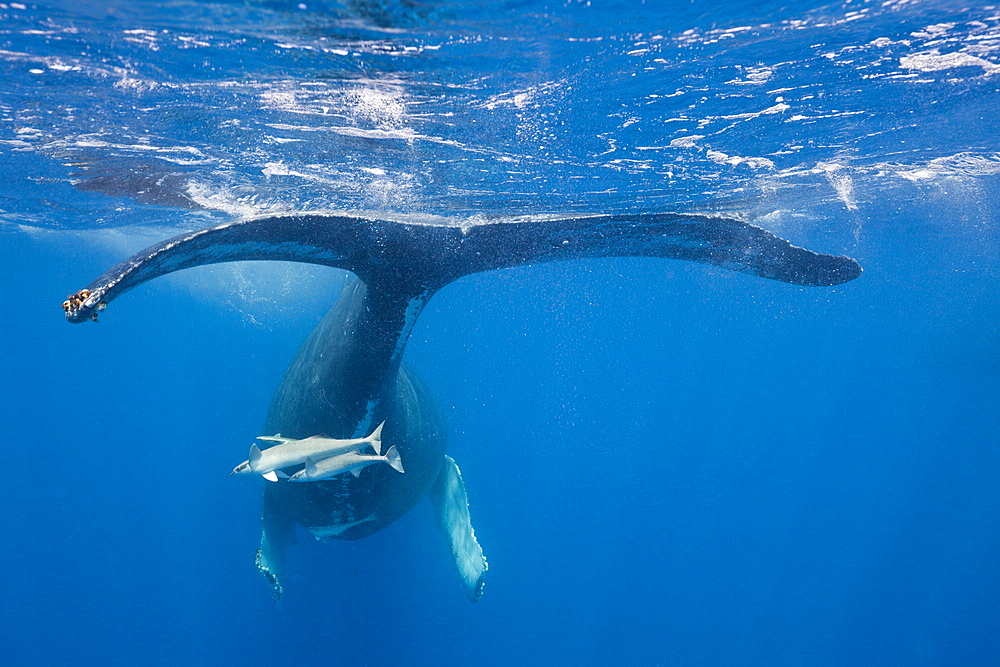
{"points": [[933, 61]]}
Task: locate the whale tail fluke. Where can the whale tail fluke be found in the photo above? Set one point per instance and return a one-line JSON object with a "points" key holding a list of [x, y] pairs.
{"points": [[429, 256], [393, 459]]}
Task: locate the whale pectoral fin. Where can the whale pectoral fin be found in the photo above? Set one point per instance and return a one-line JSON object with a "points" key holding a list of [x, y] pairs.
{"points": [[278, 533], [451, 503]]}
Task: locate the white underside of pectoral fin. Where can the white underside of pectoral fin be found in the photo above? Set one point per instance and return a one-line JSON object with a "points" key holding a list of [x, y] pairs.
{"points": [[278, 533], [451, 503]]}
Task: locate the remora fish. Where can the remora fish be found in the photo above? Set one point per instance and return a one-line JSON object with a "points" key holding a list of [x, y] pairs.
{"points": [[295, 452], [351, 462]]}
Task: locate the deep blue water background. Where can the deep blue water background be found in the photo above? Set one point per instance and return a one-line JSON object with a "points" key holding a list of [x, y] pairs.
{"points": [[666, 463]]}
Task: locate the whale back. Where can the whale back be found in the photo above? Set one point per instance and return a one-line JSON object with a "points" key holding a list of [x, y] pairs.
{"points": [[313, 398]]}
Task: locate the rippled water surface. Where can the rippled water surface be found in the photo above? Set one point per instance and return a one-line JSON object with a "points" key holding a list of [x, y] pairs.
{"points": [[472, 108]]}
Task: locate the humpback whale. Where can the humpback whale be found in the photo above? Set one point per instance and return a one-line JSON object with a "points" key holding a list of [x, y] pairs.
{"points": [[349, 374]]}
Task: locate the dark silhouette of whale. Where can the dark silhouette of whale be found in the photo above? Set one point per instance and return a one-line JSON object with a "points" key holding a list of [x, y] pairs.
{"points": [[349, 376]]}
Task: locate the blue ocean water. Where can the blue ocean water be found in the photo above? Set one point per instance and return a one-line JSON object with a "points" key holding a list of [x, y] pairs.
{"points": [[667, 464]]}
